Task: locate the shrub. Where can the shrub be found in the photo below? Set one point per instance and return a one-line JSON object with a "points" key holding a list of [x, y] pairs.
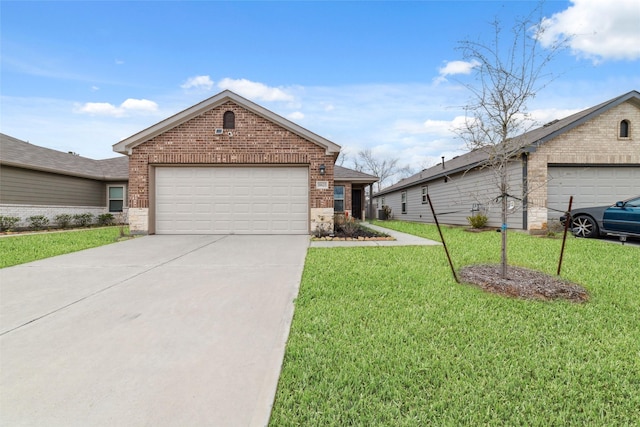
{"points": [[63, 220], [387, 212], [477, 220], [83, 220], [350, 227], [106, 219], [38, 222], [8, 222]]}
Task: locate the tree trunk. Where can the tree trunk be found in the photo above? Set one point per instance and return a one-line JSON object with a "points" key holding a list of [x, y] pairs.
{"points": [[503, 229]]}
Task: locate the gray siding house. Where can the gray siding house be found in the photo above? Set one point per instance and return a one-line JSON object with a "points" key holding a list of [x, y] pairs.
{"points": [[39, 181], [593, 155]]}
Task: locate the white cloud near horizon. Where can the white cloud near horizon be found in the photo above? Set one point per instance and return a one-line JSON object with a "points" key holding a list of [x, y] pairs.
{"points": [[255, 90], [597, 30], [198, 82], [128, 107]]}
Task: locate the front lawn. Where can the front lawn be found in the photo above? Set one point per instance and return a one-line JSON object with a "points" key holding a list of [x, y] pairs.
{"points": [[20, 249], [384, 336]]}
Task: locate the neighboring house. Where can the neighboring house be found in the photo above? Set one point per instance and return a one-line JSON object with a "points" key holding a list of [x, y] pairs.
{"points": [[593, 155], [39, 181], [228, 165]]}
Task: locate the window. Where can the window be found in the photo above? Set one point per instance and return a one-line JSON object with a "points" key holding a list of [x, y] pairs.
{"points": [[624, 129], [338, 198], [403, 201], [229, 120], [424, 195], [116, 198]]}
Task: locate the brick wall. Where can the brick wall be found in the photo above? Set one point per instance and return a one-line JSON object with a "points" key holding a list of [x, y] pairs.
{"points": [[594, 142], [254, 141]]}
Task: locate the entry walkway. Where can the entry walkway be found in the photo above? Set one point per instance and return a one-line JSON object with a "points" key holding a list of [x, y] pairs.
{"points": [[401, 239]]}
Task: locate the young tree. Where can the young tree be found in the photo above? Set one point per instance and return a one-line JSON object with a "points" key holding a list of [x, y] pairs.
{"points": [[509, 71]]}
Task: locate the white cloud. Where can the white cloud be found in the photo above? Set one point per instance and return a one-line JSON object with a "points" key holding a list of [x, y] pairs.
{"points": [[458, 67], [455, 67], [128, 106], [198, 82], [119, 61], [296, 115], [95, 88], [597, 30], [254, 90]]}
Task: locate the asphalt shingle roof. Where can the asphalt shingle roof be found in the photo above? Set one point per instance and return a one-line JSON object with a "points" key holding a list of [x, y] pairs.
{"points": [[15, 152], [528, 142], [343, 174]]}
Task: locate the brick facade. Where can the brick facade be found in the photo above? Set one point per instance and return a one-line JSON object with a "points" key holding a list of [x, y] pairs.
{"points": [[254, 141], [595, 142]]}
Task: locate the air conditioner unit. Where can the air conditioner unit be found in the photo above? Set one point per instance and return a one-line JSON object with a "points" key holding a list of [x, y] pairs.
{"points": [[219, 131]]}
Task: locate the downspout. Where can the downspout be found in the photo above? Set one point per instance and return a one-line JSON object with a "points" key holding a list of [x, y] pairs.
{"points": [[525, 191]]}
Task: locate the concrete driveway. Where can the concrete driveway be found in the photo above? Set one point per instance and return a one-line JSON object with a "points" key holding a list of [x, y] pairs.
{"points": [[156, 331]]}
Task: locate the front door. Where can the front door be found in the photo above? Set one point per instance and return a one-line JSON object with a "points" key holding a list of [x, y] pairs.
{"points": [[356, 203]]}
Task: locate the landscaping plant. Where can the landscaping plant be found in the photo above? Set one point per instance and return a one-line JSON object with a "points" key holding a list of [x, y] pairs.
{"points": [[7, 223], [63, 220], [38, 222]]}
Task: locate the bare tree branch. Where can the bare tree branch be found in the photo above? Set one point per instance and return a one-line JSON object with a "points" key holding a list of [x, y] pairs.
{"points": [[509, 74]]}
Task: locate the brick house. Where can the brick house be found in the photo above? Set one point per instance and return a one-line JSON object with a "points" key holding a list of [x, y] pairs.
{"points": [[228, 165], [593, 155]]}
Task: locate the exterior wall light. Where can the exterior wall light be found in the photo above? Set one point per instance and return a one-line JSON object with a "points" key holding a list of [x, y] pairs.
{"points": [[323, 169]]}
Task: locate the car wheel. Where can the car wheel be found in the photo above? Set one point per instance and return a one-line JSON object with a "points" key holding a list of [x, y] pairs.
{"points": [[584, 226]]}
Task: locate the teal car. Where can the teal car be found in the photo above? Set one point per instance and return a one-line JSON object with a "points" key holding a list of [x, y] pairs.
{"points": [[622, 218]]}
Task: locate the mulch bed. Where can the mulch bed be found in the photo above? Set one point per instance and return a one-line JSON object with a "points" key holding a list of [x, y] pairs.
{"points": [[522, 283]]}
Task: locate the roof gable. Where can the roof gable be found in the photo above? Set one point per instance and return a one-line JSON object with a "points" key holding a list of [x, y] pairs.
{"points": [[126, 145], [529, 142]]}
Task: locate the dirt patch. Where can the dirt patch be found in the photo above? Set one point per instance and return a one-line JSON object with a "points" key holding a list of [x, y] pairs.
{"points": [[522, 283]]}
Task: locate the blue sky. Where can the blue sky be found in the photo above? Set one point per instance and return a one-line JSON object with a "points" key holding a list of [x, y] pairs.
{"points": [[80, 76]]}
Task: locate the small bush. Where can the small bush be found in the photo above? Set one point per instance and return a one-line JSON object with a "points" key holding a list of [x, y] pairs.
{"points": [[106, 219], [477, 220], [387, 212], [8, 222], [350, 227], [83, 220], [63, 220], [38, 222]]}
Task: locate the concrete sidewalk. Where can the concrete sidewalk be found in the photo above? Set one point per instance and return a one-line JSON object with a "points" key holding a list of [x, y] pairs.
{"points": [[401, 239], [158, 331]]}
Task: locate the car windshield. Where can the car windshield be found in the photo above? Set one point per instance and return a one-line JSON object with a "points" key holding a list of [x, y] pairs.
{"points": [[633, 203]]}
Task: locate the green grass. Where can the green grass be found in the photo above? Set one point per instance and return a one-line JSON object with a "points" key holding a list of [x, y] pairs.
{"points": [[384, 336], [19, 249]]}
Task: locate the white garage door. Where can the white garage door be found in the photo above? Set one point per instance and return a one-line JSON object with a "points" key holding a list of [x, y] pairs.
{"points": [[590, 186], [232, 200]]}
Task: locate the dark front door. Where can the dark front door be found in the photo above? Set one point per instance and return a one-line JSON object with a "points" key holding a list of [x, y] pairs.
{"points": [[356, 203]]}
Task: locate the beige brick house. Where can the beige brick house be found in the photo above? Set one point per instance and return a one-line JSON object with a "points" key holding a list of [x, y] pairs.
{"points": [[593, 155], [228, 165]]}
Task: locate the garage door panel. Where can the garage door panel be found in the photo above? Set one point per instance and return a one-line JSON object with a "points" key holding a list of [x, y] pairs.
{"points": [[589, 186], [222, 200]]}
